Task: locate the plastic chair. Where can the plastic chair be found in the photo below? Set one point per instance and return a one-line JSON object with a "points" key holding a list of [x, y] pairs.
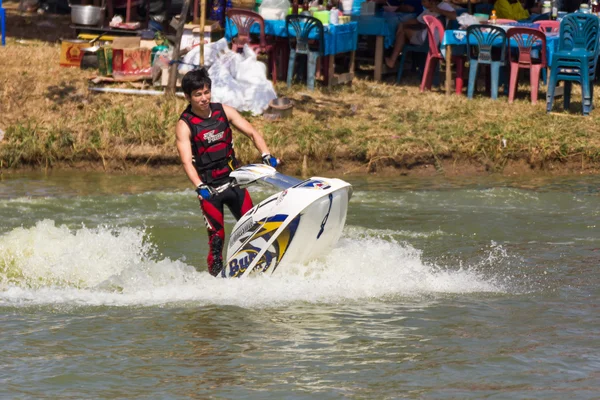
{"points": [[527, 39], [435, 34], [411, 48], [489, 50], [3, 23], [301, 27], [549, 26], [419, 49], [243, 20], [575, 60], [552, 27]]}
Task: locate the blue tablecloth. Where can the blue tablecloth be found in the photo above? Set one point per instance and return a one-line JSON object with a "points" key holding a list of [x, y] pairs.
{"points": [[381, 24], [458, 39], [338, 38]]}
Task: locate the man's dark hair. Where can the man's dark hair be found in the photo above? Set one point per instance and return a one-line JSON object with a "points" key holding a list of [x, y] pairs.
{"points": [[194, 80]]}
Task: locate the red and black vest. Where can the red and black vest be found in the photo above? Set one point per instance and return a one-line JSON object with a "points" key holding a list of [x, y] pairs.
{"points": [[212, 144]]}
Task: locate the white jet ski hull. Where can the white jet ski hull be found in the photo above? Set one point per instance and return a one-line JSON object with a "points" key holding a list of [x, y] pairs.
{"points": [[294, 226]]}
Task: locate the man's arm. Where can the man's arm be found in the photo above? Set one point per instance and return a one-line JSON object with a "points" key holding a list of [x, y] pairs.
{"points": [[246, 128], [184, 147], [450, 15]]}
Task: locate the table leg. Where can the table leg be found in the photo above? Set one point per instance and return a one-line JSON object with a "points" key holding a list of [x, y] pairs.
{"points": [[330, 70], [378, 57], [128, 11], [448, 70], [110, 9]]}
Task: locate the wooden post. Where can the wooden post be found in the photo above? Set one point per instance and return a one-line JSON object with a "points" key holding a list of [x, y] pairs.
{"points": [[448, 70], [173, 67], [305, 165], [202, 18]]}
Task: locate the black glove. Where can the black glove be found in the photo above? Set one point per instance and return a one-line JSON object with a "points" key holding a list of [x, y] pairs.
{"points": [[205, 192], [270, 160]]}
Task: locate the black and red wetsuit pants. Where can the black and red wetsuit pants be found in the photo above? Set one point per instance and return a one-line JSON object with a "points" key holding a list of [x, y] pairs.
{"points": [[239, 202]]}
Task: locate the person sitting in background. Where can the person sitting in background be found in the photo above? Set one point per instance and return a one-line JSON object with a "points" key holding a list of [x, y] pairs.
{"points": [[414, 31], [404, 6], [532, 6], [510, 9]]}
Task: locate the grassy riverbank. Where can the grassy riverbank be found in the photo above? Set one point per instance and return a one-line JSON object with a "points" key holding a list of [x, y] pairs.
{"points": [[51, 120]]}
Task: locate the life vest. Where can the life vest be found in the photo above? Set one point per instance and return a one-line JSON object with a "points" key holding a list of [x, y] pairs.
{"points": [[212, 144]]}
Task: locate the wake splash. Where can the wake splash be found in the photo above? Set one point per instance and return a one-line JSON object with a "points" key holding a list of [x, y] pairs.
{"points": [[48, 264]]}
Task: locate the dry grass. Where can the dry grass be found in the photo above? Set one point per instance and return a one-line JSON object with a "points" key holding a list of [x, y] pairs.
{"points": [[51, 119]]}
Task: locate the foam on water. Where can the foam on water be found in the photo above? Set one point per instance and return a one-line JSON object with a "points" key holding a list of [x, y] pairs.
{"points": [[49, 264]]}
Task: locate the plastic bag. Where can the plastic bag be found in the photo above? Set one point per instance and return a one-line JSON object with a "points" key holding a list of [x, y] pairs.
{"points": [[465, 20], [192, 59], [274, 9], [240, 81]]}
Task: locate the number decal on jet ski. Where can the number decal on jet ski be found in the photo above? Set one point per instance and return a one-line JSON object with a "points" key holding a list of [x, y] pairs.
{"points": [[261, 236]]}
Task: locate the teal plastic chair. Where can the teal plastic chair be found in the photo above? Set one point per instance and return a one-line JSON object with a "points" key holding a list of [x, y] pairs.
{"points": [[575, 60], [421, 50], [486, 44], [3, 23], [299, 28]]}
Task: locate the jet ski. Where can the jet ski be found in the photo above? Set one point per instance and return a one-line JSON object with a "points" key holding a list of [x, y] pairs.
{"points": [[298, 224]]}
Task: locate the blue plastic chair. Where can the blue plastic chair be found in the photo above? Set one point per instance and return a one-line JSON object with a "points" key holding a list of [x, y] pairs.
{"points": [[490, 49], [3, 23], [575, 60], [413, 48], [299, 28]]}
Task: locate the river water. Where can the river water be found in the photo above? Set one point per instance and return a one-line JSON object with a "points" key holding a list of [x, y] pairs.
{"points": [[438, 289]]}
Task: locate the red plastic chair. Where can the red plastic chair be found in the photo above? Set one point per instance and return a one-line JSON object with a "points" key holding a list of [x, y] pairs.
{"points": [[527, 39], [243, 20], [549, 26], [435, 34]]}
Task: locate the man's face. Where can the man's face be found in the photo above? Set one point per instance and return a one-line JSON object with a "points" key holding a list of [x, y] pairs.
{"points": [[200, 98]]}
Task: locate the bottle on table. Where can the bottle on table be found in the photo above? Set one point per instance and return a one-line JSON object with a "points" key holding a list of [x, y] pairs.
{"points": [[546, 7], [554, 11], [333, 16], [493, 17], [295, 7]]}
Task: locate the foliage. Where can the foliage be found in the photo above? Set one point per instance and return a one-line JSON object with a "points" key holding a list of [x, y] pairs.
{"points": [[50, 118]]}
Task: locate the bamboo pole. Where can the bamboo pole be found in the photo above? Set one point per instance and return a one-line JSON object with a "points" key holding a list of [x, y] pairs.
{"points": [[176, 49], [202, 19]]}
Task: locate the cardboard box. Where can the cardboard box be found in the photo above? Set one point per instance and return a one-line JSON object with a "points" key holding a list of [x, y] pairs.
{"points": [[126, 42], [191, 34], [71, 52], [131, 64]]}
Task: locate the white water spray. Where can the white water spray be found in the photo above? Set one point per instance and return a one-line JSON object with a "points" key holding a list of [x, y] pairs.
{"points": [[49, 264]]}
